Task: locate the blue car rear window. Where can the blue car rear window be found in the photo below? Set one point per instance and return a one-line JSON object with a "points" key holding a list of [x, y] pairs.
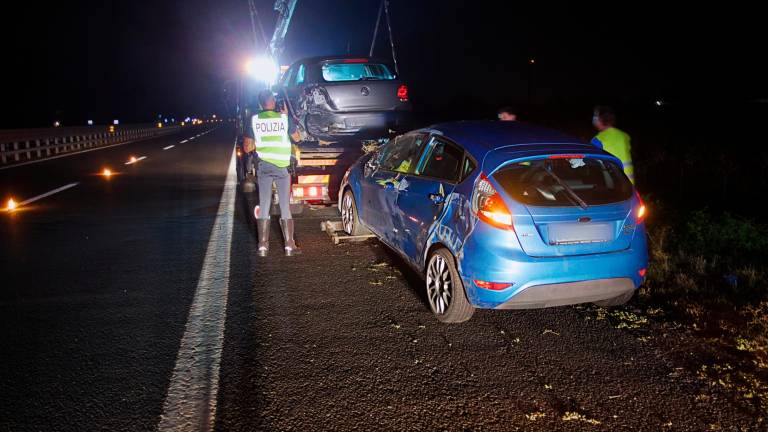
{"points": [[596, 181], [355, 72]]}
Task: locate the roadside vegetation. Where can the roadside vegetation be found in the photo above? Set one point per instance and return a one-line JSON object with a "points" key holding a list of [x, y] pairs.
{"points": [[707, 287]]}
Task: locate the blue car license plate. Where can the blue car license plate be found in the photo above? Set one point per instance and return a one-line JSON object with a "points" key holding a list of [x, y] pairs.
{"points": [[577, 233]]}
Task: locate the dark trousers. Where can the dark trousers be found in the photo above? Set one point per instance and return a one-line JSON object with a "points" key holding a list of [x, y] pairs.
{"points": [[266, 173]]}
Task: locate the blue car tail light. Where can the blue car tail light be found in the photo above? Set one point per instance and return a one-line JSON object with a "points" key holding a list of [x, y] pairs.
{"points": [[488, 205], [642, 211]]}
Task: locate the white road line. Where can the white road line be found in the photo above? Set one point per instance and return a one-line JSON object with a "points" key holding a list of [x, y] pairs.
{"points": [[169, 147], [137, 159], [190, 403], [47, 194], [182, 142]]}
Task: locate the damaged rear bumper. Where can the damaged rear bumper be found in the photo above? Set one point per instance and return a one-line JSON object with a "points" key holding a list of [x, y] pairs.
{"points": [[362, 125]]}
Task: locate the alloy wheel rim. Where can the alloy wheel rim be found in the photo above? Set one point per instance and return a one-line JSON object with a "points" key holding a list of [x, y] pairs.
{"points": [[347, 214], [439, 285]]}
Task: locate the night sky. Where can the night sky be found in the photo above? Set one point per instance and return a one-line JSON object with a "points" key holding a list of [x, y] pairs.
{"points": [[133, 60]]}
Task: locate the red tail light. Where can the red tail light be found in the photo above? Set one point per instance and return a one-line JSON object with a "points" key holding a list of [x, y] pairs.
{"points": [[642, 210], [355, 60], [402, 93], [642, 272], [566, 156], [495, 286], [488, 205]]}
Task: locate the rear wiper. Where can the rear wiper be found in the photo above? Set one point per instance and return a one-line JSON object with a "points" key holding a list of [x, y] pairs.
{"points": [[575, 198]]}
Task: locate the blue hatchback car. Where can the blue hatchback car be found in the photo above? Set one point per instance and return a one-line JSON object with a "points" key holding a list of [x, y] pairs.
{"points": [[501, 215]]}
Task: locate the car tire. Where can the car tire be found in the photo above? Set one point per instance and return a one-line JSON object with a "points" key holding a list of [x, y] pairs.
{"points": [[616, 301], [350, 221], [445, 290]]}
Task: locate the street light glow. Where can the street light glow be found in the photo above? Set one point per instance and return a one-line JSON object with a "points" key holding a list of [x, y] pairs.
{"points": [[262, 69], [11, 205], [106, 172]]}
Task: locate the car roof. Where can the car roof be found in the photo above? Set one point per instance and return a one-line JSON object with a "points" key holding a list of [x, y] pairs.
{"points": [[318, 59], [501, 141]]}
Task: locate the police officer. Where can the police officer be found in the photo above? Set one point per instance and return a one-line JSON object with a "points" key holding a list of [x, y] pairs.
{"points": [[272, 135], [611, 139]]}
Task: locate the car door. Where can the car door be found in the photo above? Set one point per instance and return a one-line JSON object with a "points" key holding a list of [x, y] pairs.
{"points": [[382, 176], [422, 195]]}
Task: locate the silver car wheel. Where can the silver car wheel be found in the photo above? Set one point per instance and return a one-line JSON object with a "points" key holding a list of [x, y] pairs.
{"points": [[348, 214], [439, 285]]}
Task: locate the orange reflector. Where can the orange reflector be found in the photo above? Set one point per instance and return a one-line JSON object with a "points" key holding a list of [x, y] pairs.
{"points": [[496, 286], [322, 178], [317, 162]]}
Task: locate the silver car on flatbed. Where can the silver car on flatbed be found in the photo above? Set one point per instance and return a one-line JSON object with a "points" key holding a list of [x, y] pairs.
{"points": [[335, 98]]}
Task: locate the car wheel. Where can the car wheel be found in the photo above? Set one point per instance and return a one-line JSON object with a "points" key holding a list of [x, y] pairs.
{"points": [[445, 291], [616, 301], [349, 219]]}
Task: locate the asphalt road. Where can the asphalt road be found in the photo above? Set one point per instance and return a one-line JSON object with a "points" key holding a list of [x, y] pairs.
{"points": [[103, 284]]}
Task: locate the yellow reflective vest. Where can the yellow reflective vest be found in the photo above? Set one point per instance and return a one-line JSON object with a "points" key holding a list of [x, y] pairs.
{"points": [[617, 143], [270, 131]]}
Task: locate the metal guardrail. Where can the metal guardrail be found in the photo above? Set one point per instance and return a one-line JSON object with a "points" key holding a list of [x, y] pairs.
{"points": [[23, 145]]}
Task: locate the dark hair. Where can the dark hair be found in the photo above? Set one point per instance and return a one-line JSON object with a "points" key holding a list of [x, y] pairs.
{"points": [[606, 115], [506, 109], [264, 97]]}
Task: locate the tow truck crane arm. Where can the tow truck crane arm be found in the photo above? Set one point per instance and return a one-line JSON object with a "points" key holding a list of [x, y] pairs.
{"points": [[284, 10]]}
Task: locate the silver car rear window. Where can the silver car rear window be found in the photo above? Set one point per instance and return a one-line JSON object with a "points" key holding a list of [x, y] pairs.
{"points": [[333, 72]]}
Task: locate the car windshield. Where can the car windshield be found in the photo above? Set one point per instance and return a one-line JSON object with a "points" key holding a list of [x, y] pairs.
{"points": [[594, 181], [356, 72]]}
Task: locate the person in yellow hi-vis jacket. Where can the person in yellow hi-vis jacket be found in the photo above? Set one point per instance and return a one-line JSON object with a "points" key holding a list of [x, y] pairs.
{"points": [[611, 139], [271, 133]]}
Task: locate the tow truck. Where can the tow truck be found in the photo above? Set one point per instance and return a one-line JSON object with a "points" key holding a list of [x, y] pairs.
{"points": [[343, 84]]}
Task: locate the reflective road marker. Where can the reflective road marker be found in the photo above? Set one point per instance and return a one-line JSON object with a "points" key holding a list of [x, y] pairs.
{"points": [[190, 403], [169, 147], [47, 194], [134, 160]]}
